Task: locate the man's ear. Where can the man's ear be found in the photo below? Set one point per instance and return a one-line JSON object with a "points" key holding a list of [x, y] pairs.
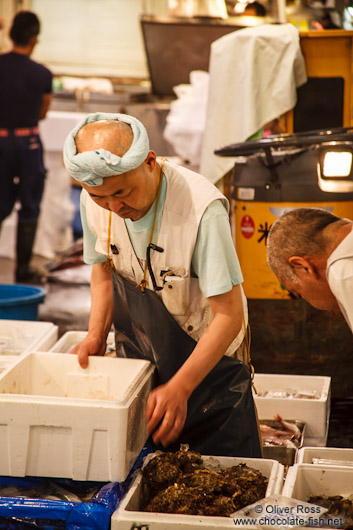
{"points": [[302, 266], [151, 160]]}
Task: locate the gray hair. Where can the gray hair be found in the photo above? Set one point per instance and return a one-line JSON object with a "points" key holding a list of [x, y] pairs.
{"points": [[298, 232]]}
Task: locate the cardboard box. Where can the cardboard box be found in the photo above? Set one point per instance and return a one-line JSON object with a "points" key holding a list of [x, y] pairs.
{"points": [[22, 336], [343, 456], [60, 420], [128, 516], [315, 413]]}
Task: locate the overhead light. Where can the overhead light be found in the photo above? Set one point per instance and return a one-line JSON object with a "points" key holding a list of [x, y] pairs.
{"points": [[334, 167]]}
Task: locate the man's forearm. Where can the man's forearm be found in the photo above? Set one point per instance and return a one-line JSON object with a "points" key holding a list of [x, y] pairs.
{"points": [[225, 326], [101, 314]]}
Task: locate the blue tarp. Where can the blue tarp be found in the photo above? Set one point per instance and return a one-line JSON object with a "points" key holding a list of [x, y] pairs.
{"points": [[16, 513]]}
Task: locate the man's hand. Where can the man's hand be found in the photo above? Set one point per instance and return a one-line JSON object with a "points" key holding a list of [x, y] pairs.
{"points": [[166, 409], [89, 346]]}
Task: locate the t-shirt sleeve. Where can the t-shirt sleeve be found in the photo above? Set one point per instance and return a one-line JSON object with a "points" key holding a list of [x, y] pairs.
{"points": [[340, 279], [90, 255], [215, 261]]}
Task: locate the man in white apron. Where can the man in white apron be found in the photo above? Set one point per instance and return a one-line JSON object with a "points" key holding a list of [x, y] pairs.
{"points": [[165, 272]]}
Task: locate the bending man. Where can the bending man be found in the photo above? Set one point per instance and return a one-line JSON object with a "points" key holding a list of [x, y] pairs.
{"points": [[161, 233], [310, 250]]}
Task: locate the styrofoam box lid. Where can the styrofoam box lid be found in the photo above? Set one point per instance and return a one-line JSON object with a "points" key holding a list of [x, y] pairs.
{"points": [[19, 336], [304, 480], [58, 377], [71, 338], [282, 382], [125, 514], [336, 454]]}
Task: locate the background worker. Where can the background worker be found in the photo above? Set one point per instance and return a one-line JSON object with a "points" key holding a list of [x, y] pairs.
{"points": [[310, 250], [176, 298], [25, 95]]}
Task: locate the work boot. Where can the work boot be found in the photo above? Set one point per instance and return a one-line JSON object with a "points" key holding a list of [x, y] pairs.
{"points": [[26, 231]]}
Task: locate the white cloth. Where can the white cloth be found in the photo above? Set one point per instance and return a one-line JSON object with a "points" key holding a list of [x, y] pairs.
{"points": [[254, 73], [339, 272]]}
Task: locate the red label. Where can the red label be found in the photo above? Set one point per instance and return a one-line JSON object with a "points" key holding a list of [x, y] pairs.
{"points": [[247, 226]]}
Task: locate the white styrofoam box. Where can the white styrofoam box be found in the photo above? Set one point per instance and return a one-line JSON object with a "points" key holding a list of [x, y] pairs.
{"points": [[70, 339], [305, 480], [338, 455], [22, 336], [60, 420], [314, 412], [6, 361], [128, 512], [316, 441]]}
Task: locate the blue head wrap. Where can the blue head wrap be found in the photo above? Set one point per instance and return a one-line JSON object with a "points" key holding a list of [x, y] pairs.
{"points": [[91, 167]]}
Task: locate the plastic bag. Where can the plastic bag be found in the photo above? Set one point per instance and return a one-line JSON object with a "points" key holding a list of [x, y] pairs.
{"points": [[187, 117]]}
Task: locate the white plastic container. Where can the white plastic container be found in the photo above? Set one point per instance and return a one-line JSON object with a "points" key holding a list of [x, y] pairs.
{"points": [[22, 336], [70, 339], [128, 516], [315, 413], [305, 480], [341, 456], [60, 420]]}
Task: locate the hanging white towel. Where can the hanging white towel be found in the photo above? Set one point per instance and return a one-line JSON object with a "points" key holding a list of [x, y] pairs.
{"points": [[254, 74]]}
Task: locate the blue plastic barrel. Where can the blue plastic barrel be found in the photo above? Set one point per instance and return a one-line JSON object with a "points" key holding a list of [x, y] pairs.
{"points": [[20, 302]]}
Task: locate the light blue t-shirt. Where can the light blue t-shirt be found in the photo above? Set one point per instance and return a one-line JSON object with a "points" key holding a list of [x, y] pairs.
{"points": [[214, 261]]}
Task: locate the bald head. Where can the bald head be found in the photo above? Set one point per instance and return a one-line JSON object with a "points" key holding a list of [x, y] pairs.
{"points": [[301, 232], [111, 135]]}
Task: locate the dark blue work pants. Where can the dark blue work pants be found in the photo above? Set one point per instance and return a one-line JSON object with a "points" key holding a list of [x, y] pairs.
{"points": [[22, 175]]}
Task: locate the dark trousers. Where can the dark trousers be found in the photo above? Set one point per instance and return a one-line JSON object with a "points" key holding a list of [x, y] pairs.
{"points": [[22, 175]]}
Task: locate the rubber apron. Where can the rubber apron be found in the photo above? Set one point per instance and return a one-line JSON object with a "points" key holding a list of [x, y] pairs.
{"points": [[221, 418]]}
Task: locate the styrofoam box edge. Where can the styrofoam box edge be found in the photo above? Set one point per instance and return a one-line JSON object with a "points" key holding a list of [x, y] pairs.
{"points": [[69, 339], [46, 342], [44, 334], [306, 454], [122, 518]]}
